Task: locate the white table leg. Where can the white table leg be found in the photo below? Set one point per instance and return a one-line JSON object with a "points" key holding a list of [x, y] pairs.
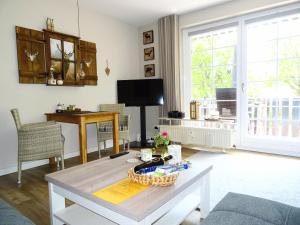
{"points": [[56, 202], [205, 196]]}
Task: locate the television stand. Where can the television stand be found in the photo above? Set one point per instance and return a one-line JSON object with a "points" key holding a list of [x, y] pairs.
{"points": [[143, 143]]}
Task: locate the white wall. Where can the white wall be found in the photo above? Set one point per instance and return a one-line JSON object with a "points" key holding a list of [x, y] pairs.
{"points": [[227, 10], [152, 112], [116, 41]]}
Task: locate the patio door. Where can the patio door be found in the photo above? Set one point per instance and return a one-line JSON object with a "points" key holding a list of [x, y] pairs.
{"points": [[271, 83]]}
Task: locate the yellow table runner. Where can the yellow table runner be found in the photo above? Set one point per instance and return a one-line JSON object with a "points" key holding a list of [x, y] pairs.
{"points": [[120, 191]]}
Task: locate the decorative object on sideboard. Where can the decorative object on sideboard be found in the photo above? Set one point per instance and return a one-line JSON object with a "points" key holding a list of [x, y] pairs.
{"points": [[195, 110], [107, 69], [176, 114], [148, 53], [49, 24], [148, 37], [149, 70], [51, 79], [60, 108]]}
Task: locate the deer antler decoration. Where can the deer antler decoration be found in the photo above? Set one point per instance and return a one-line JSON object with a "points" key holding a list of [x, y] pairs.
{"points": [[31, 57], [88, 63], [65, 54]]}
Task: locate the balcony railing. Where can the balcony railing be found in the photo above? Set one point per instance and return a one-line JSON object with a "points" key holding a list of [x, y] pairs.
{"points": [[267, 116]]}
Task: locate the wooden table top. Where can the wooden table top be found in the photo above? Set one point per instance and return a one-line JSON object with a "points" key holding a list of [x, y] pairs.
{"points": [[80, 114], [90, 177]]}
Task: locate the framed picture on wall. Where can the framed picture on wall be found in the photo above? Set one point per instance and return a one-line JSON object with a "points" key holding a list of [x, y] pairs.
{"points": [[148, 53], [148, 37], [149, 70]]}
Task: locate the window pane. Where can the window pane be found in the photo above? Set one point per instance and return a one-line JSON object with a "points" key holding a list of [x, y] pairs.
{"points": [[223, 74], [201, 42], [199, 91], [202, 58], [69, 71], [225, 37], [289, 68], [289, 26], [261, 71], [289, 47], [69, 50], [55, 48], [203, 75], [259, 51], [262, 89], [224, 56]]}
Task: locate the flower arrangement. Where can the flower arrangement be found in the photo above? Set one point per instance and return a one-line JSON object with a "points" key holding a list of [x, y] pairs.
{"points": [[161, 140]]}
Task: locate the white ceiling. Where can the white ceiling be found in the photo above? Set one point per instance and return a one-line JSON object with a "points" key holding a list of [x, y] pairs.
{"points": [[142, 12]]}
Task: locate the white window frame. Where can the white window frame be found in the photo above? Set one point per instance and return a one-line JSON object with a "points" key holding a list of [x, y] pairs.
{"points": [[290, 147]]}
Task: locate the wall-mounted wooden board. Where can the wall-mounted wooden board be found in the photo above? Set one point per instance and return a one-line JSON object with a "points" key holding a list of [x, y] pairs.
{"points": [[39, 51], [88, 59], [31, 56]]}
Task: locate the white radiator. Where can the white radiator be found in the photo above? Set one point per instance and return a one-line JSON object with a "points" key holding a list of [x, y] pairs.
{"points": [[208, 137]]}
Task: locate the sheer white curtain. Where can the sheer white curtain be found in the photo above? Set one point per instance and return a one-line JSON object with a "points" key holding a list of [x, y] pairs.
{"points": [[168, 31]]}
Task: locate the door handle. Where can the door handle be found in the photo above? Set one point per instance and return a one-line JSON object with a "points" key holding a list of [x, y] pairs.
{"points": [[243, 87]]}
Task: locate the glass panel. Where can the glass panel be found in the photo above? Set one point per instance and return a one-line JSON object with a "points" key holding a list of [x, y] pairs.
{"points": [[225, 37], [261, 71], [202, 58], [69, 70], [69, 50], [56, 65], [224, 74], [289, 47], [55, 48], [201, 42], [224, 56], [199, 91], [289, 69], [202, 75], [262, 89], [261, 31], [289, 26], [261, 51]]}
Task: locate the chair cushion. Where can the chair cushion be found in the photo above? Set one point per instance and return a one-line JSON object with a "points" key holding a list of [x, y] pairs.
{"points": [[10, 216], [236, 209]]}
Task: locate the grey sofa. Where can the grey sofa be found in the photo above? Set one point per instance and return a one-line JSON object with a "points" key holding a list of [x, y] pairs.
{"points": [[238, 209], [10, 216]]}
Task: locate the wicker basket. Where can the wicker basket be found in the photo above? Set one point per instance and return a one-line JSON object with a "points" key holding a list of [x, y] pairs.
{"points": [[152, 180]]}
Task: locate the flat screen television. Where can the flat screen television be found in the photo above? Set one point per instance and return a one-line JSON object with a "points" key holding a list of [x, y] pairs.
{"points": [[145, 92]]}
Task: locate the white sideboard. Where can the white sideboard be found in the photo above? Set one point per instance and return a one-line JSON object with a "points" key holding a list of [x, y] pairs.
{"points": [[204, 133]]}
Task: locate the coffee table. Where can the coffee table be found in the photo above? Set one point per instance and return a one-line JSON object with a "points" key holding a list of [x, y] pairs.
{"points": [[155, 205]]}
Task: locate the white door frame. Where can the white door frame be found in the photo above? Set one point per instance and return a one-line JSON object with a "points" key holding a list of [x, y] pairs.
{"points": [[243, 140]]}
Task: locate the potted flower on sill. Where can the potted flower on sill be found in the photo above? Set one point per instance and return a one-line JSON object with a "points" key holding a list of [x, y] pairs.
{"points": [[161, 142]]}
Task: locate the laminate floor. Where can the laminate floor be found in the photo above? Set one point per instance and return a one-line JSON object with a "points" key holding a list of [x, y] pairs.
{"points": [[262, 175]]}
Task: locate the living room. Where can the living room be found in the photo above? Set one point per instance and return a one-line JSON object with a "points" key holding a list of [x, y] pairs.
{"points": [[201, 51]]}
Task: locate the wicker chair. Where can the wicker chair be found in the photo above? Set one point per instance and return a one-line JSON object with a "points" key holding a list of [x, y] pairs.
{"points": [[38, 141], [104, 129]]}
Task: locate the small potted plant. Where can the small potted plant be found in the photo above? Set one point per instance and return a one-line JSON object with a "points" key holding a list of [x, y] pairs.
{"points": [[161, 142]]}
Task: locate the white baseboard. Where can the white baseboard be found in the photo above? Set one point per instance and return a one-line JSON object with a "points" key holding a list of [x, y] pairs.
{"points": [[32, 164]]}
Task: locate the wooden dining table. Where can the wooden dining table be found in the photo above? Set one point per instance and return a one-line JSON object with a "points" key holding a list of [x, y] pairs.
{"points": [[83, 118]]}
